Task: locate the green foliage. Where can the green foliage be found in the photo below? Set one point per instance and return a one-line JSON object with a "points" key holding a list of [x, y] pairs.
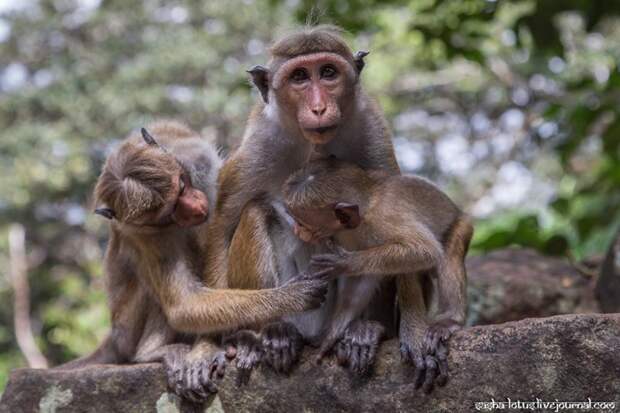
{"points": [[520, 94]]}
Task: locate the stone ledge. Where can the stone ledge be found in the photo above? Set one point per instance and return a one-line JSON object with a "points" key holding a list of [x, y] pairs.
{"points": [[568, 357]]}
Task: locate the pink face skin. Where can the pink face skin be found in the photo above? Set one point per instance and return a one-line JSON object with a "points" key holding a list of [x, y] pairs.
{"points": [[186, 207], [192, 206], [314, 225], [314, 89]]}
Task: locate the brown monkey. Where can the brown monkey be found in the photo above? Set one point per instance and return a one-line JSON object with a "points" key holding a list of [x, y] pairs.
{"points": [[312, 99], [382, 226], [156, 189]]}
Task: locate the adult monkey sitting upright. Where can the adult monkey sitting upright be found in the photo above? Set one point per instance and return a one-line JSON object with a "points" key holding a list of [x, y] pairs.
{"points": [[312, 100]]}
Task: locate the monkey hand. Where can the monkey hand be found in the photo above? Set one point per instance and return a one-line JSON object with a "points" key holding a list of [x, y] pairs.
{"points": [[430, 369], [333, 264], [304, 234], [245, 346], [309, 290], [282, 345], [358, 348]]}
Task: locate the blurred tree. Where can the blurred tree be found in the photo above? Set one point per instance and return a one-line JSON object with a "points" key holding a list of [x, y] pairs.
{"points": [[512, 106]]}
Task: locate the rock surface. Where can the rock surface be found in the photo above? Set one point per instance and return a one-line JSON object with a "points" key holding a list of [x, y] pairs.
{"points": [[608, 287], [568, 358], [512, 284]]}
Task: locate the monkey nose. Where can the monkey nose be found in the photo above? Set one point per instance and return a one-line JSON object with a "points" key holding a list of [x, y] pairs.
{"points": [[319, 111]]}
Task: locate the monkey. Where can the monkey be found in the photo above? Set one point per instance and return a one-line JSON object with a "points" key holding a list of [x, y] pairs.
{"points": [[311, 99], [156, 189], [380, 225]]}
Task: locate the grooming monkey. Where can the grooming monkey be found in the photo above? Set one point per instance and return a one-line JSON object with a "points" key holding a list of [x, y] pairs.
{"points": [[156, 188], [311, 99], [385, 225]]}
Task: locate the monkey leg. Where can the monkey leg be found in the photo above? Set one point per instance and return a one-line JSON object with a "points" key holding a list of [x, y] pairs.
{"points": [[245, 347], [188, 374], [451, 288], [358, 348], [430, 368], [282, 345]]}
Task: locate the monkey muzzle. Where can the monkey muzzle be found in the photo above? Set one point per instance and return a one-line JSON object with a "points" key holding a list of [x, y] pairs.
{"points": [[191, 209]]}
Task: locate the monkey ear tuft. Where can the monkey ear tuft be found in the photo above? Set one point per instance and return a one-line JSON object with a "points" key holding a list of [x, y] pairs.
{"points": [[105, 212], [148, 138], [260, 79], [348, 214], [359, 60]]}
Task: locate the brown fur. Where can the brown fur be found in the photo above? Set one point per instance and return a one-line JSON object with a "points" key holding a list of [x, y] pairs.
{"points": [[150, 269], [408, 228], [246, 226], [313, 39]]}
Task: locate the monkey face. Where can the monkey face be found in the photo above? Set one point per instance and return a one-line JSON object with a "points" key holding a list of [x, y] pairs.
{"points": [[192, 206], [316, 224], [315, 90], [148, 187]]}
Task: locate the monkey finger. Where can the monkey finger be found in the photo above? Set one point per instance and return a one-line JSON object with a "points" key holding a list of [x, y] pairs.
{"points": [[342, 353], [431, 374], [405, 353], [324, 273], [218, 366], [365, 360], [430, 342], [189, 387], [209, 387], [278, 364], [171, 377], [420, 369], [197, 387], [442, 361], [323, 260], [442, 378], [354, 359]]}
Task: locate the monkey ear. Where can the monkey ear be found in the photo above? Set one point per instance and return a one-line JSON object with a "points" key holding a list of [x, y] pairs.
{"points": [[105, 212], [259, 78], [359, 60], [148, 138], [347, 214]]}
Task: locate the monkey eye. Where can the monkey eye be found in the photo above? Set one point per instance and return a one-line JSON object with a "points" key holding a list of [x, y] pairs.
{"points": [[299, 75], [182, 183], [328, 72]]}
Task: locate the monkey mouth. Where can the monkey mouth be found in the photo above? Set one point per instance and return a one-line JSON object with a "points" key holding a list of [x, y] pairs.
{"points": [[321, 130]]}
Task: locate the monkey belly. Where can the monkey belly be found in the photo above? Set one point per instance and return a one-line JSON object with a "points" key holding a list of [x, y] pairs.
{"points": [[293, 258]]}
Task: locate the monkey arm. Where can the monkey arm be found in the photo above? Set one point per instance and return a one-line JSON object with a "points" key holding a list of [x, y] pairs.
{"points": [[214, 310], [191, 307], [237, 187], [384, 260]]}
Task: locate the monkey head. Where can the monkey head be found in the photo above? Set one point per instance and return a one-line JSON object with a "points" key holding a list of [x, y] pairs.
{"points": [[311, 82], [146, 186], [325, 197]]}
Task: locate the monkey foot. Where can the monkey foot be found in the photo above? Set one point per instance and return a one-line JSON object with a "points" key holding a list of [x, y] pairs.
{"points": [[358, 348], [194, 379], [429, 369], [439, 332], [282, 345], [245, 347]]}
